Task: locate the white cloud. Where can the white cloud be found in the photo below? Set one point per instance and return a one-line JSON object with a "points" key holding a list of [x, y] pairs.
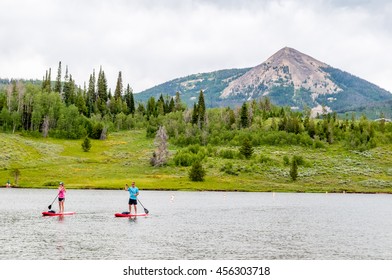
{"points": [[154, 41]]}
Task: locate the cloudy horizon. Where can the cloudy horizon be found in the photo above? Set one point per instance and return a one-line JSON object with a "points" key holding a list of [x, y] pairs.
{"points": [[153, 41]]}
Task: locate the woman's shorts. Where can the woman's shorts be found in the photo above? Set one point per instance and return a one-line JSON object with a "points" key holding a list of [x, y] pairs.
{"points": [[132, 201], [61, 199]]}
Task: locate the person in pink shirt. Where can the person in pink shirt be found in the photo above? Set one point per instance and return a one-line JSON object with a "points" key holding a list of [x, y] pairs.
{"points": [[61, 195]]}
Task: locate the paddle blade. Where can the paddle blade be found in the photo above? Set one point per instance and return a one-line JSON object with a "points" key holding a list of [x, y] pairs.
{"points": [[50, 207], [145, 211]]}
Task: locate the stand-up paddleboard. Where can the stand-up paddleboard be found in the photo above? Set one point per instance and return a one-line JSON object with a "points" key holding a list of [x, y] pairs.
{"points": [[47, 213], [126, 215]]}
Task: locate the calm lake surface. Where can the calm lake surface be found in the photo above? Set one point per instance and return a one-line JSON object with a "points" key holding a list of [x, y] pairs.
{"points": [[196, 225]]}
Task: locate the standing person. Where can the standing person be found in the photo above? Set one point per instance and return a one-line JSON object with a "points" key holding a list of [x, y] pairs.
{"points": [[133, 193], [61, 195]]}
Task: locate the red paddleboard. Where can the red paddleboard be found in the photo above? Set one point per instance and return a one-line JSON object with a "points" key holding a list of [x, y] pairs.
{"points": [[57, 214], [121, 215]]}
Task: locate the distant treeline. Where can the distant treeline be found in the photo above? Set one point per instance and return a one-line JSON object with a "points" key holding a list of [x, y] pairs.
{"points": [[62, 109]]}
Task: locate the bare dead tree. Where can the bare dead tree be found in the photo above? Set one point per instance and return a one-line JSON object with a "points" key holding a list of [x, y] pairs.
{"points": [[161, 154], [103, 133], [45, 127], [21, 89]]}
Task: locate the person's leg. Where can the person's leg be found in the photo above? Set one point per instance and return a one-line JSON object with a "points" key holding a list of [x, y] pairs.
{"points": [[61, 206], [134, 206]]}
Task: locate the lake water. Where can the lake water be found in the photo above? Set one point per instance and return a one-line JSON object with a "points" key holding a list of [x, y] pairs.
{"points": [[196, 225]]}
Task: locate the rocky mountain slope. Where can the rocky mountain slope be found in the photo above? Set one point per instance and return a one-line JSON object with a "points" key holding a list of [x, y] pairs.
{"points": [[288, 68], [288, 78]]}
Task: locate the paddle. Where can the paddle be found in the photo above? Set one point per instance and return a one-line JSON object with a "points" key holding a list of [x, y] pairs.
{"points": [[145, 210], [50, 206]]}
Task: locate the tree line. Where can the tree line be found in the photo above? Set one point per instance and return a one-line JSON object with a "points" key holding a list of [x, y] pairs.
{"points": [[63, 109]]}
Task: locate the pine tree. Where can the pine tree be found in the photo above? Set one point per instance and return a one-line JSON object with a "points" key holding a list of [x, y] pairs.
{"points": [[49, 82], [294, 169], [161, 107], [244, 115], [172, 105], [66, 85], [246, 149], [178, 103], [267, 104], [46, 83], [197, 172], [195, 114], [102, 87], [57, 86], [140, 109], [231, 118], [119, 88], [80, 102], [132, 107], [311, 128], [283, 123], [69, 94], [110, 94], [151, 107], [201, 108], [167, 105], [91, 95], [86, 144], [102, 91], [129, 99]]}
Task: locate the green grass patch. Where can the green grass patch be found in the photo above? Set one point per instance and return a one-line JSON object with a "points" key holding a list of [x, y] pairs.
{"points": [[124, 157]]}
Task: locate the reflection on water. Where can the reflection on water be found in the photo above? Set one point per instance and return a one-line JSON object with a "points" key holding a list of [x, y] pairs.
{"points": [[196, 225]]}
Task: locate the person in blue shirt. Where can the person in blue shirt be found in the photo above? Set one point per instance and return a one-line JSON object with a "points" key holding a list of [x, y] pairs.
{"points": [[133, 193]]}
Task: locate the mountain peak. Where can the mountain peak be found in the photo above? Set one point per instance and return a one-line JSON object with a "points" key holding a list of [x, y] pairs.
{"points": [[292, 56], [287, 51], [287, 67]]}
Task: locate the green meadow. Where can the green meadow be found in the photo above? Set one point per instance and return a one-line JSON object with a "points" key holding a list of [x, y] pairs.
{"points": [[124, 157]]}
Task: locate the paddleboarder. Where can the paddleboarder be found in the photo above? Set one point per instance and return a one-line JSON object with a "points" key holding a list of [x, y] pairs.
{"points": [[133, 193], [61, 196]]}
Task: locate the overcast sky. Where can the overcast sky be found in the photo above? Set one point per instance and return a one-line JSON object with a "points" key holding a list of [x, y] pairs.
{"points": [[154, 41]]}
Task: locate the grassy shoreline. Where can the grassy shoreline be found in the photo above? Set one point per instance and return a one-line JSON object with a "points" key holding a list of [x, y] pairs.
{"points": [[212, 190], [124, 157]]}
